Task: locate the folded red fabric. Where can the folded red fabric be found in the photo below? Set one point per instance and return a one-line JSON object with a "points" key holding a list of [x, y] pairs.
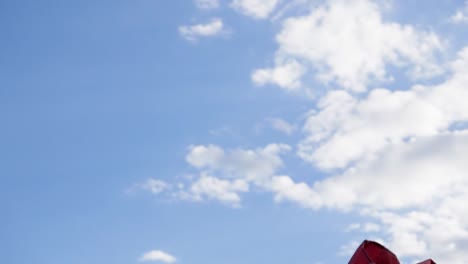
{"points": [[370, 252]]}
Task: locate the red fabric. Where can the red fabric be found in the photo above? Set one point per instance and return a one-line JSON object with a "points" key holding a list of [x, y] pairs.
{"points": [[370, 252], [429, 261]]}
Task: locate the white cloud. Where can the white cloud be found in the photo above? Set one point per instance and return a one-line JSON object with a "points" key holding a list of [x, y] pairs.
{"points": [[461, 15], [158, 256], [346, 129], [349, 43], [209, 187], [285, 189], [255, 8], [207, 4], [287, 75], [250, 164], [404, 165], [416, 191], [210, 29], [224, 175], [282, 125], [202, 156], [393, 155]]}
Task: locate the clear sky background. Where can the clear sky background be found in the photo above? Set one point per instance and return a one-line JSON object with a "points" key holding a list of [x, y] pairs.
{"points": [[240, 131]]}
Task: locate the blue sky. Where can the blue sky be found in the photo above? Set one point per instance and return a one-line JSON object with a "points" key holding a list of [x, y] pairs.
{"points": [[243, 131]]}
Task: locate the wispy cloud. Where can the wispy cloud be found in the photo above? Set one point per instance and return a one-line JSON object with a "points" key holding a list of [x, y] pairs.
{"points": [[155, 186], [282, 125], [194, 32], [157, 256]]}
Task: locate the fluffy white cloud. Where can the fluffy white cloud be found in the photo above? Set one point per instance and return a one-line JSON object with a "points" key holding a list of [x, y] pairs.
{"points": [[287, 75], [157, 256], [409, 173], [207, 4], [440, 230], [349, 43], [210, 29], [223, 175], [208, 187], [252, 165], [461, 15], [346, 129], [255, 8], [285, 189], [416, 191], [203, 156]]}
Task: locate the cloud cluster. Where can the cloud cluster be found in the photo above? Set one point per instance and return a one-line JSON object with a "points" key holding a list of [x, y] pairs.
{"points": [[346, 129], [349, 43], [235, 171], [223, 175], [403, 160], [397, 157]]}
